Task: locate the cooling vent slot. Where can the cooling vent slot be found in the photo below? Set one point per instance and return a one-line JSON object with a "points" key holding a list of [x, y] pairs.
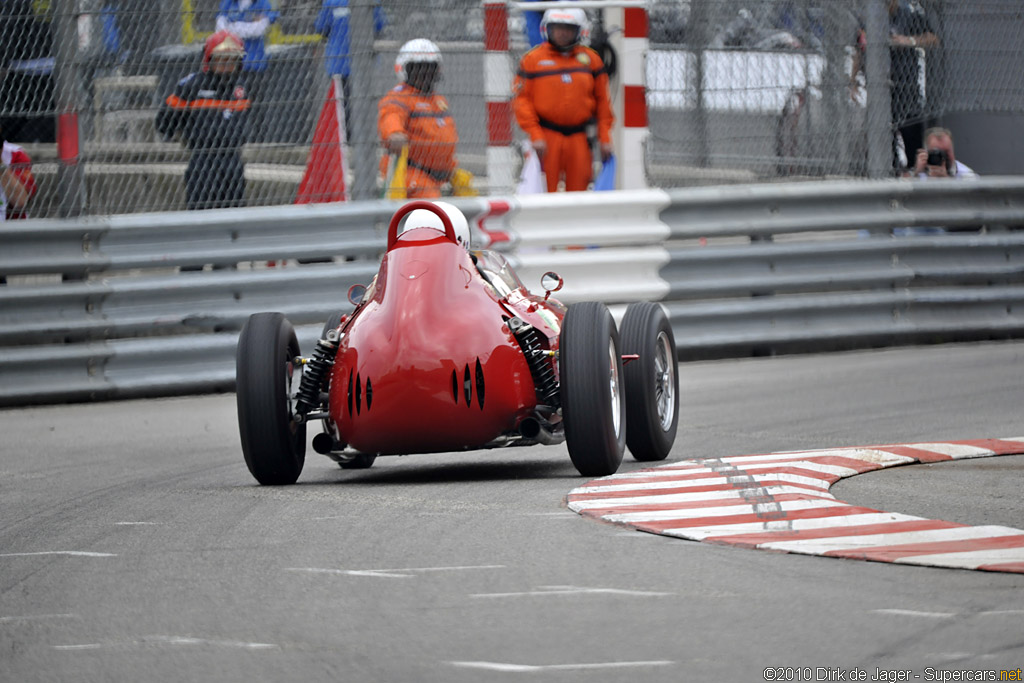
{"points": [[480, 384], [349, 395], [455, 386], [359, 395], [369, 394], [467, 384]]}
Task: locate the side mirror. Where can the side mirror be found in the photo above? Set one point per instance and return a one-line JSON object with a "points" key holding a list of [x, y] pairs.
{"points": [[551, 282], [356, 293]]}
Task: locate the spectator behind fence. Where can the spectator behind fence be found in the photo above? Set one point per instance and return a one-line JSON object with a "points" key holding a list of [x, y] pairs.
{"points": [[17, 183], [562, 88], [937, 159], [333, 24], [209, 109], [910, 29], [249, 20], [412, 117]]}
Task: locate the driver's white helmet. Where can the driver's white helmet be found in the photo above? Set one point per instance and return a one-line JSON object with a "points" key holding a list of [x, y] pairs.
{"points": [[416, 50], [424, 218], [571, 17]]}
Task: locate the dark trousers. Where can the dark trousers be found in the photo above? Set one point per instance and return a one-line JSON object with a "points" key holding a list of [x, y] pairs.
{"points": [[215, 180]]}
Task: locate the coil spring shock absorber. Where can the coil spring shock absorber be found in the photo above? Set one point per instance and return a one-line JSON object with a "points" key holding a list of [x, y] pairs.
{"points": [[315, 373], [529, 338]]}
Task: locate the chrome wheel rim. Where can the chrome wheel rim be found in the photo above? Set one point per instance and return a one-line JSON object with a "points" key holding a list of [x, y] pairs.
{"points": [[664, 381], [613, 377]]}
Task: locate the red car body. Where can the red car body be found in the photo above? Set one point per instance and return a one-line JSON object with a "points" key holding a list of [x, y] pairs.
{"points": [[427, 362]]}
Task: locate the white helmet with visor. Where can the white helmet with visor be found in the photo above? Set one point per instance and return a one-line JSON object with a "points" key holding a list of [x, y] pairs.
{"points": [[425, 218]]}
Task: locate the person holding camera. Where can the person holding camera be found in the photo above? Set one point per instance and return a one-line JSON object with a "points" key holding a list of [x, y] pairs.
{"points": [[938, 159]]}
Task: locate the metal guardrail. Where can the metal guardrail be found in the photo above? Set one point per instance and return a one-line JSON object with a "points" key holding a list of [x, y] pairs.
{"points": [[109, 308]]}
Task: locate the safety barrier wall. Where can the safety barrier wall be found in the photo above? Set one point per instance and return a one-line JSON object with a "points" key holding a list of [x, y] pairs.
{"points": [[112, 308]]}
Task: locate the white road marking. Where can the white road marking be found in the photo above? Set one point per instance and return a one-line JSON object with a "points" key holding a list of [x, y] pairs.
{"points": [[571, 590], [820, 546], [72, 553], [168, 640], [34, 617], [567, 514], [954, 450], [914, 613], [538, 668], [838, 522], [738, 482], [723, 511], [967, 559], [704, 496], [389, 573]]}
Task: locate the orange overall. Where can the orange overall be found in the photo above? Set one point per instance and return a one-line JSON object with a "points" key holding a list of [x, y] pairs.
{"points": [[556, 96], [427, 122]]}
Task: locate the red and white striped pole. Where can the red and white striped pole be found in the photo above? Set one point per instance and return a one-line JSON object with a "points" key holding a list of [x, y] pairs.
{"points": [[498, 77], [633, 136]]}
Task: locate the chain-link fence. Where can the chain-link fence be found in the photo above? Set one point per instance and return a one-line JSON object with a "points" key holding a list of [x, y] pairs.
{"points": [[782, 92], [785, 83]]}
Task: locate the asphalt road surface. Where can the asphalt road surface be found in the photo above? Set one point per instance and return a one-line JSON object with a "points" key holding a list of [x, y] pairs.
{"points": [[135, 546]]}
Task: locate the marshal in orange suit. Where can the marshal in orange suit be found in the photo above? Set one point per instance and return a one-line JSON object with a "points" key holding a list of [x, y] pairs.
{"points": [[412, 115], [560, 89]]}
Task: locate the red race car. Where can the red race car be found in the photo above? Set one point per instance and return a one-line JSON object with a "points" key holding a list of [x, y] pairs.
{"points": [[447, 350]]}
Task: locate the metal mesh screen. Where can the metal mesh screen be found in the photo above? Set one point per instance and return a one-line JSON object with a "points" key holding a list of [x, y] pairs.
{"points": [[784, 86], [781, 95]]}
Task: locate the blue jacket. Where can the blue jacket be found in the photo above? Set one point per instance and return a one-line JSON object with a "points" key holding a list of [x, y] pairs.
{"points": [[255, 56], [332, 22]]}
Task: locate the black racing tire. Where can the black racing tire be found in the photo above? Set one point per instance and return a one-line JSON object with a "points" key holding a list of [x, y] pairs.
{"points": [[274, 445], [651, 382], [593, 408], [362, 461]]}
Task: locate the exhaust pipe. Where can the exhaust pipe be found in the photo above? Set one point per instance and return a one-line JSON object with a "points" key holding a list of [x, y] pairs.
{"points": [[532, 429]]}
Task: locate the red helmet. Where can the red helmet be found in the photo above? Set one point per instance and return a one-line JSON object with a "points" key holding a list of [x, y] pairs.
{"points": [[222, 43]]}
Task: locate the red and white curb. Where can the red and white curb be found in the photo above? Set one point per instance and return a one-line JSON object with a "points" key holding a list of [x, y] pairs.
{"points": [[780, 501]]}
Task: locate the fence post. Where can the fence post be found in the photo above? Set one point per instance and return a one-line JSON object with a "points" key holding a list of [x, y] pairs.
{"points": [[364, 128], [879, 80], [70, 180], [498, 72]]}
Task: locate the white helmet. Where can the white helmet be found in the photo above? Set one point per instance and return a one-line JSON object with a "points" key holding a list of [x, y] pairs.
{"points": [[416, 50], [425, 218], [571, 17]]}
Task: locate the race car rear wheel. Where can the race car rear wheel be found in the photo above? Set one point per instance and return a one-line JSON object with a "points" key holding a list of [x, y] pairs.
{"points": [[593, 409], [651, 382], [273, 443]]}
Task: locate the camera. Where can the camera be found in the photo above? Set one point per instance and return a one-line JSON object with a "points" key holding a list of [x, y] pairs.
{"points": [[937, 157]]}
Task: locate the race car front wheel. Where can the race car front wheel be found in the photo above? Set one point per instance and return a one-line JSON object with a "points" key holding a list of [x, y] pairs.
{"points": [[266, 378], [651, 381], [590, 369]]}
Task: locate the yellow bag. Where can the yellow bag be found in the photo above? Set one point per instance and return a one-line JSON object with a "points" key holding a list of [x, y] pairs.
{"points": [[394, 186], [462, 184]]}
